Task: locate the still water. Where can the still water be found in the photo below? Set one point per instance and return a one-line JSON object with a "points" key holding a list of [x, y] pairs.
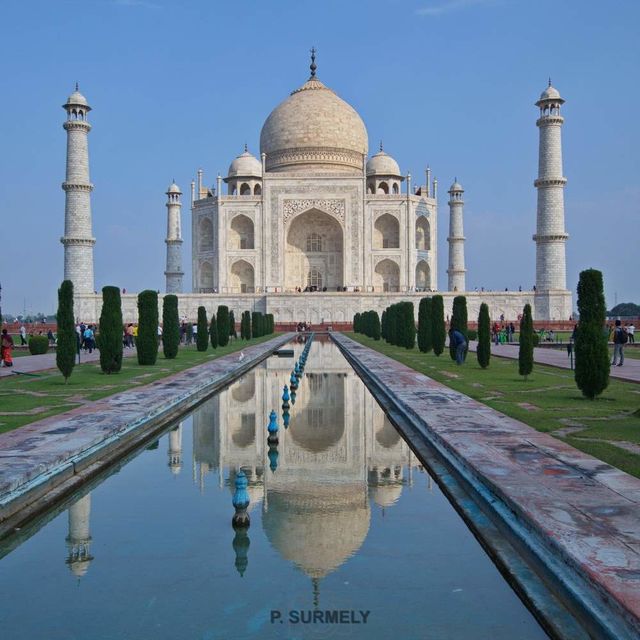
{"points": [[348, 522]]}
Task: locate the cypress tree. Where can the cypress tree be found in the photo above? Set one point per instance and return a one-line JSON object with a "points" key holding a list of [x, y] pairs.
{"points": [[592, 353], [484, 336], [438, 325], [383, 325], [202, 337], [271, 326], [243, 334], [67, 343], [232, 325], [256, 324], [408, 325], [222, 320], [459, 322], [525, 352], [356, 323], [393, 324], [246, 325], [170, 326], [375, 328], [147, 340], [425, 329], [214, 338], [111, 330]]}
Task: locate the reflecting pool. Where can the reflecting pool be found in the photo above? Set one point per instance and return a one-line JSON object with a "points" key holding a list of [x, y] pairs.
{"points": [[343, 519]]}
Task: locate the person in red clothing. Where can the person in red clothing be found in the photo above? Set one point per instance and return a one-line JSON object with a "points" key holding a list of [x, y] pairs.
{"points": [[6, 346]]}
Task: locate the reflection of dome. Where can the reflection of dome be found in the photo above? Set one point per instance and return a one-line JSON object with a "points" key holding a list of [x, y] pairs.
{"points": [[382, 164], [315, 128], [317, 437], [386, 495], [244, 389], [245, 165], [317, 529], [387, 435]]}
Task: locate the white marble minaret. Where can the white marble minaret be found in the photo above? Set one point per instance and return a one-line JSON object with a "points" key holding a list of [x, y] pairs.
{"points": [[174, 271], [78, 238], [550, 237], [78, 541], [456, 270]]}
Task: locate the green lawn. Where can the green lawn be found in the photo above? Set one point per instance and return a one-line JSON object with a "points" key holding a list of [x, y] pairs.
{"points": [[25, 399], [549, 400]]}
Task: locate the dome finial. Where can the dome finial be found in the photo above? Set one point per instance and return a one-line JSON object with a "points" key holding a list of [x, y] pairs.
{"points": [[77, 87], [381, 149], [313, 66], [549, 80], [245, 147]]}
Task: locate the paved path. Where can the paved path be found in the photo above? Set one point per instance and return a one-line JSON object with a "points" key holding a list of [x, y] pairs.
{"points": [[33, 456], [630, 371], [31, 364], [584, 513]]}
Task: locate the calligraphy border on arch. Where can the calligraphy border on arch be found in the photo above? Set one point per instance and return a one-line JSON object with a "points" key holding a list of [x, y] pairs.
{"points": [[333, 206]]}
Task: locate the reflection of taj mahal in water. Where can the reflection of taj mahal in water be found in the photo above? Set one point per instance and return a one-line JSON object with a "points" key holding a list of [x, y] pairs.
{"points": [[339, 456]]}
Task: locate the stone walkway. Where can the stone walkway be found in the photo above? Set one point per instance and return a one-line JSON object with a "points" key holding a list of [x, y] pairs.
{"points": [[630, 371], [32, 364], [582, 512], [33, 456]]}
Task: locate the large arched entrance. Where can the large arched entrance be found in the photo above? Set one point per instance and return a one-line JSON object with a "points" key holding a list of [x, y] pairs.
{"points": [[314, 252]]}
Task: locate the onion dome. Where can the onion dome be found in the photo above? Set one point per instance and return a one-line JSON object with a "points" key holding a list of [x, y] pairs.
{"points": [[314, 129], [245, 165], [76, 99], [456, 186], [550, 94], [174, 188], [382, 164]]}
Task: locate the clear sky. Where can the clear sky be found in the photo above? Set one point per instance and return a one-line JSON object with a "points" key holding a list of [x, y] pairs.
{"points": [[181, 84]]}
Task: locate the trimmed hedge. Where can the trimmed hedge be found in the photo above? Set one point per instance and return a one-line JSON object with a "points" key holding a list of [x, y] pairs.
{"points": [[232, 325], [67, 344], [147, 340], [213, 331], [202, 336], [483, 351], [592, 352], [222, 320], [425, 325], [111, 332], [170, 326], [525, 352], [38, 345], [438, 325]]}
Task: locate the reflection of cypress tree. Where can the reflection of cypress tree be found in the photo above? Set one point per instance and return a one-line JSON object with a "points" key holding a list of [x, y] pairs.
{"points": [[240, 545]]}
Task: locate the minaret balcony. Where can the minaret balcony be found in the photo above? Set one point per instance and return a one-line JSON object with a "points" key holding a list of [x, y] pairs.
{"points": [[77, 186], [544, 121], [549, 182]]}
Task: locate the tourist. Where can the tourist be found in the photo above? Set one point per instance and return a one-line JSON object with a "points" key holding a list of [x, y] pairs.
{"points": [[51, 338], [6, 346], [457, 339], [88, 336], [619, 340], [631, 329], [129, 335], [23, 336]]}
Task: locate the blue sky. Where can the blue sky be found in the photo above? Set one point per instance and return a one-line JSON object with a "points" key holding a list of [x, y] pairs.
{"points": [[179, 84]]}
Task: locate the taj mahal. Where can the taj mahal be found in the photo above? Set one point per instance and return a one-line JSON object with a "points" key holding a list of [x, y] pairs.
{"points": [[316, 229]]}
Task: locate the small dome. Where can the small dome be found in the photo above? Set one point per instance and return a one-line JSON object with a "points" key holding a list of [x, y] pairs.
{"points": [[173, 188], [550, 93], [456, 186], [386, 495], [76, 98], [244, 166], [382, 164]]}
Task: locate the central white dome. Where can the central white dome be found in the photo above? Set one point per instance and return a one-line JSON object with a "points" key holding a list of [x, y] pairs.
{"points": [[314, 129]]}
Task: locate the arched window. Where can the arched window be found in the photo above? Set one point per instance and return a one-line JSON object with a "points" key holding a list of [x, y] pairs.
{"points": [[314, 242], [314, 278], [386, 232], [241, 233], [423, 276], [423, 234], [396, 188], [257, 190], [245, 189], [205, 232], [242, 277], [383, 187]]}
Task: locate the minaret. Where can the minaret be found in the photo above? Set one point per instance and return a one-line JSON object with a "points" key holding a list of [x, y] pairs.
{"points": [[78, 238], [174, 271], [550, 235], [78, 540], [456, 268], [175, 449]]}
